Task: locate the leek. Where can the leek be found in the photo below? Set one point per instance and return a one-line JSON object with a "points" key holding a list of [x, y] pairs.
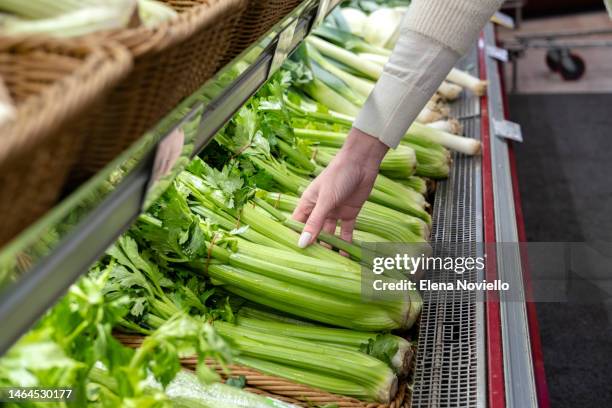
{"points": [[382, 27], [464, 79], [75, 23], [451, 126], [153, 12], [416, 131], [349, 41], [355, 19], [419, 132], [336, 84], [449, 91], [367, 68], [360, 85], [320, 91]]}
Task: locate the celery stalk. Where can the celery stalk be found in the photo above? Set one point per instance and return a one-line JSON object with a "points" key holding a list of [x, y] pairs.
{"points": [[371, 321], [347, 313], [312, 378], [347, 339], [328, 360], [397, 163]]}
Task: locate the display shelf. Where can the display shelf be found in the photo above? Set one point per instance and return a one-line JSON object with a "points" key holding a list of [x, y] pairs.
{"points": [[452, 329], [511, 367], [474, 353], [39, 265]]}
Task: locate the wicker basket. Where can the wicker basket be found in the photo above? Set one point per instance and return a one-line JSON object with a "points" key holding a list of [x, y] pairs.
{"points": [[171, 61], [282, 389], [298, 394], [51, 83], [259, 17]]}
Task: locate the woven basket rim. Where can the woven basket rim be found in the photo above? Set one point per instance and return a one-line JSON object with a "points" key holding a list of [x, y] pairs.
{"points": [[148, 40], [40, 116]]}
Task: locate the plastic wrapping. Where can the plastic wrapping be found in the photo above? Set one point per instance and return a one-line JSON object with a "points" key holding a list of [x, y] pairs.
{"points": [[186, 391]]}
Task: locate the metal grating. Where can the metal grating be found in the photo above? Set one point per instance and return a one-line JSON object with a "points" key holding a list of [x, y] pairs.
{"points": [[451, 350]]}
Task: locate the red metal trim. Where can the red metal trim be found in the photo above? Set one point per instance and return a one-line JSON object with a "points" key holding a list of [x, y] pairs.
{"points": [[495, 365], [532, 318]]}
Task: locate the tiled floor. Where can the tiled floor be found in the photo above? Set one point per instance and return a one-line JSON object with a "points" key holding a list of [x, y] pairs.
{"points": [[533, 74]]}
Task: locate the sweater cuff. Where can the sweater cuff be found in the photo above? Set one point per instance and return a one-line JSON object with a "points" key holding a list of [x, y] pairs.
{"points": [[390, 109], [415, 70]]}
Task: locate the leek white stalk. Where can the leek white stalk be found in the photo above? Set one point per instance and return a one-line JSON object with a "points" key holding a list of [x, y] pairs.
{"points": [[39, 9], [456, 76], [457, 143], [450, 126], [428, 115], [433, 111], [363, 86], [375, 58], [76, 23], [351, 42], [355, 19], [321, 92], [368, 68], [153, 12], [459, 77], [382, 27], [440, 106], [338, 85], [449, 91]]}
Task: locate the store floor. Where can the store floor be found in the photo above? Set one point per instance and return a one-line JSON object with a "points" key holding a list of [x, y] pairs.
{"points": [[534, 76], [565, 177]]}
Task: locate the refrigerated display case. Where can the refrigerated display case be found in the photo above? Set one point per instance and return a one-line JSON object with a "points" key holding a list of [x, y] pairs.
{"points": [[472, 352]]}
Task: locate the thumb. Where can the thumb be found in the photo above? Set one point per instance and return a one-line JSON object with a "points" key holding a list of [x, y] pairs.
{"points": [[314, 224]]}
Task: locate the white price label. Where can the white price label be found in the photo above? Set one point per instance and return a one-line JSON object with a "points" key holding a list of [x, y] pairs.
{"points": [[503, 20], [168, 152], [324, 7], [283, 47], [499, 54], [507, 130]]}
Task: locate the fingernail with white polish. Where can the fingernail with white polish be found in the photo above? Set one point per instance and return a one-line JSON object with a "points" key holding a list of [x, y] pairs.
{"points": [[304, 239]]}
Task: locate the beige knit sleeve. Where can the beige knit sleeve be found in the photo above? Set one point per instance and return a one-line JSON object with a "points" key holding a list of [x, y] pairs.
{"points": [[434, 34]]}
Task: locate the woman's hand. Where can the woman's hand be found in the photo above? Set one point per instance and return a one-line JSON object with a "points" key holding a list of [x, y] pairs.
{"points": [[339, 192]]}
